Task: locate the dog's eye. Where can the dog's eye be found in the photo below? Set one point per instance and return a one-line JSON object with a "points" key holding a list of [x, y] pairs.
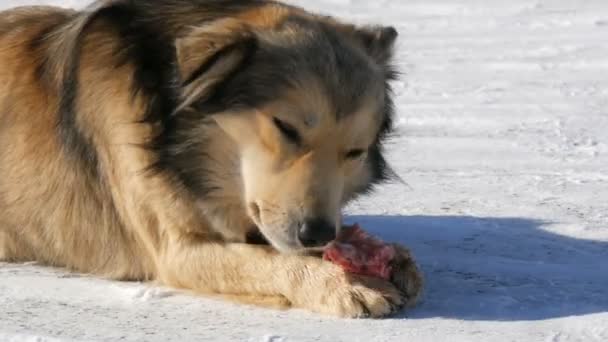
{"points": [[355, 154], [288, 131]]}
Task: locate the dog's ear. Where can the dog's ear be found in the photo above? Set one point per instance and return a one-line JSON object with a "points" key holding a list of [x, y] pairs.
{"points": [[208, 55], [378, 41]]}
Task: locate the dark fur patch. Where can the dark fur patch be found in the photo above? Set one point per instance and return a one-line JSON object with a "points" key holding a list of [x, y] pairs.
{"points": [[181, 150], [246, 47], [73, 140], [342, 68], [150, 51], [181, 145], [72, 137], [380, 170]]}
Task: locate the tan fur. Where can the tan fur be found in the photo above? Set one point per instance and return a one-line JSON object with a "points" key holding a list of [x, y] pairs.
{"points": [[131, 224], [265, 16]]}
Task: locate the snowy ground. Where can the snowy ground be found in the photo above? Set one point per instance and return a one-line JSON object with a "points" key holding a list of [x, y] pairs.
{"points": [[503, 140]]}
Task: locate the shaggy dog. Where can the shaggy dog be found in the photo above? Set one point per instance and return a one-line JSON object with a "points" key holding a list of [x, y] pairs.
{"points": [[169, 139]]}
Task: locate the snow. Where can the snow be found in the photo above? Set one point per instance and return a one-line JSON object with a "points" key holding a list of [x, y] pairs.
{"points": [[502, 141]]}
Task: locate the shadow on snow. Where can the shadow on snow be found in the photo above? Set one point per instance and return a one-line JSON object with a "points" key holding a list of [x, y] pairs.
{"points": [[505, 269]]}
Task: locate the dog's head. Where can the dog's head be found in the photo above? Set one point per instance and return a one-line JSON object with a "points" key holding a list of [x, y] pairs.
{"points": [[306, 101]]}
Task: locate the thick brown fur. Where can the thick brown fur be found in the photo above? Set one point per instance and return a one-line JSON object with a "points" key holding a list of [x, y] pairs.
{"points": [[139, 142]]}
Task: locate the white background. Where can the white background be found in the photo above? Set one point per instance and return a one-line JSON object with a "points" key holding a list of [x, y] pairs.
{"points": [[502, 137]]}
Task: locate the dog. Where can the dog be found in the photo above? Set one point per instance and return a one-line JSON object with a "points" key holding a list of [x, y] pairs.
{"points": [[209, 145]]}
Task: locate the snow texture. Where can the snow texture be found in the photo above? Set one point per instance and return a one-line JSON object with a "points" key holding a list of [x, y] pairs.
{"points": [[502, 139]]}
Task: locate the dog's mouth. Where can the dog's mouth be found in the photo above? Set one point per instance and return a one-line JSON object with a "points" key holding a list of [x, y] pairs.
{"points": [[285, 244], [255, 237]]}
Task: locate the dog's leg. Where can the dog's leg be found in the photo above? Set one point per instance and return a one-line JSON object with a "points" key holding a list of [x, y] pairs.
{"points": [[270, 302], [306, 282]]}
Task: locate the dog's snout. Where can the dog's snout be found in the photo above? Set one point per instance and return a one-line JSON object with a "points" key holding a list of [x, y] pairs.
{"points": [[316, 232]]}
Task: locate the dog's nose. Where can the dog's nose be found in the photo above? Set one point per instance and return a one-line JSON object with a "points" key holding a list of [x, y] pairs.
{"points": [[316, 232]]}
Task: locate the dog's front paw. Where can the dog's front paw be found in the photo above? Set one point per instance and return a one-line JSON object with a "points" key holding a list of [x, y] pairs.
{"points": [[406, 276], [329, 290]]}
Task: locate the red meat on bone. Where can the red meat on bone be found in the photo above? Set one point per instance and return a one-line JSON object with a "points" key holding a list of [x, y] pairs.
{"points": [[358, 252]]}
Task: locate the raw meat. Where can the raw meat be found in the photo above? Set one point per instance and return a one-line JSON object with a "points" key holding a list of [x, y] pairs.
{"points": [[358, 252]]}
